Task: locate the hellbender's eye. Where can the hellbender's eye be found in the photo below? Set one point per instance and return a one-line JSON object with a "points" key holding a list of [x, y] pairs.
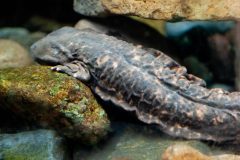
{"points": [[56, 48], [75, 55]]}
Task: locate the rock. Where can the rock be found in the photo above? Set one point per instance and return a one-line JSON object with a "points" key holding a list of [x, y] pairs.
{"points": [[13, 55], [226, 157], [13, 33], [35, 36], [86, 24], [137, 142], [20, 35], [177, 29], [162, 9], [53, 100], [89, 7], [34, 145], [185, 152]]}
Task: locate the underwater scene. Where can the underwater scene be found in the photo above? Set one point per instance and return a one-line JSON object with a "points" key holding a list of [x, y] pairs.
{"points": [[120, 80]]}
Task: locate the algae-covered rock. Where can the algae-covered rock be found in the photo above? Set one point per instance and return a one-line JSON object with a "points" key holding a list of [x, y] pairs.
{"points": [[53, 100], [32, 145]]}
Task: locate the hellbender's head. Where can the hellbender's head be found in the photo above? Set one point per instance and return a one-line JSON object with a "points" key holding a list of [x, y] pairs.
{"points": [[54, 48]]}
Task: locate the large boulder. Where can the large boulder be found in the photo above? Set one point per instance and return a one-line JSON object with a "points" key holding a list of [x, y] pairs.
{"points": [[162, 9]]}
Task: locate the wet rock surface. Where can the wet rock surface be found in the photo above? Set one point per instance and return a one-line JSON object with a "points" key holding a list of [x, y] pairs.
{"points": [[177, 152], [162, 9], [138, 142], [53, 100], [185, 152], [13, 55], [32, 145], [20, 35], [177, 29]]}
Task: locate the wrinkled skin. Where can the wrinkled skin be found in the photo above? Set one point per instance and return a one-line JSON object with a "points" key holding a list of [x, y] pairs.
{"points": [[145, 81]]}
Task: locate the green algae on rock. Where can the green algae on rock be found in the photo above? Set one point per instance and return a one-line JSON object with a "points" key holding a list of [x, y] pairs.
{"points": [[53, 100]]}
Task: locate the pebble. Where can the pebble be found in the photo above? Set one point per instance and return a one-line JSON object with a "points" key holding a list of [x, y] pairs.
{"points": [[13, 55], [21, 35]]}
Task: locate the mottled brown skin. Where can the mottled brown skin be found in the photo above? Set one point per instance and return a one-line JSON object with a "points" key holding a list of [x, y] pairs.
{"points": [[145, 81]]}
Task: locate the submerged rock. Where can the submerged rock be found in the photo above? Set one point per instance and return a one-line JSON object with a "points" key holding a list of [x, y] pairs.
{"points": [[17, 34], [86, 24], [53, 100], [138, 142], [185, 152], [32, 145], [177, 29], [13, 55], [20, 35]]}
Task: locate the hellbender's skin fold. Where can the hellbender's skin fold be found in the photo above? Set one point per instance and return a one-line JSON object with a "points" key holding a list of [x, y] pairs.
{"points": [[146, 81]]}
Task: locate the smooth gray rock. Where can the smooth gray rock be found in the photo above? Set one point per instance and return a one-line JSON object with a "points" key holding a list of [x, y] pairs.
{"points": [[178, 29], [32, 145], [89, 7], [13, 55], [20, 35], [13, 32], [86, 24]]}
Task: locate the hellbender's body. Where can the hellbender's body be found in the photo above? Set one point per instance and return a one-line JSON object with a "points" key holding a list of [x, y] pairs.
{"points": [[145, 81]]}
